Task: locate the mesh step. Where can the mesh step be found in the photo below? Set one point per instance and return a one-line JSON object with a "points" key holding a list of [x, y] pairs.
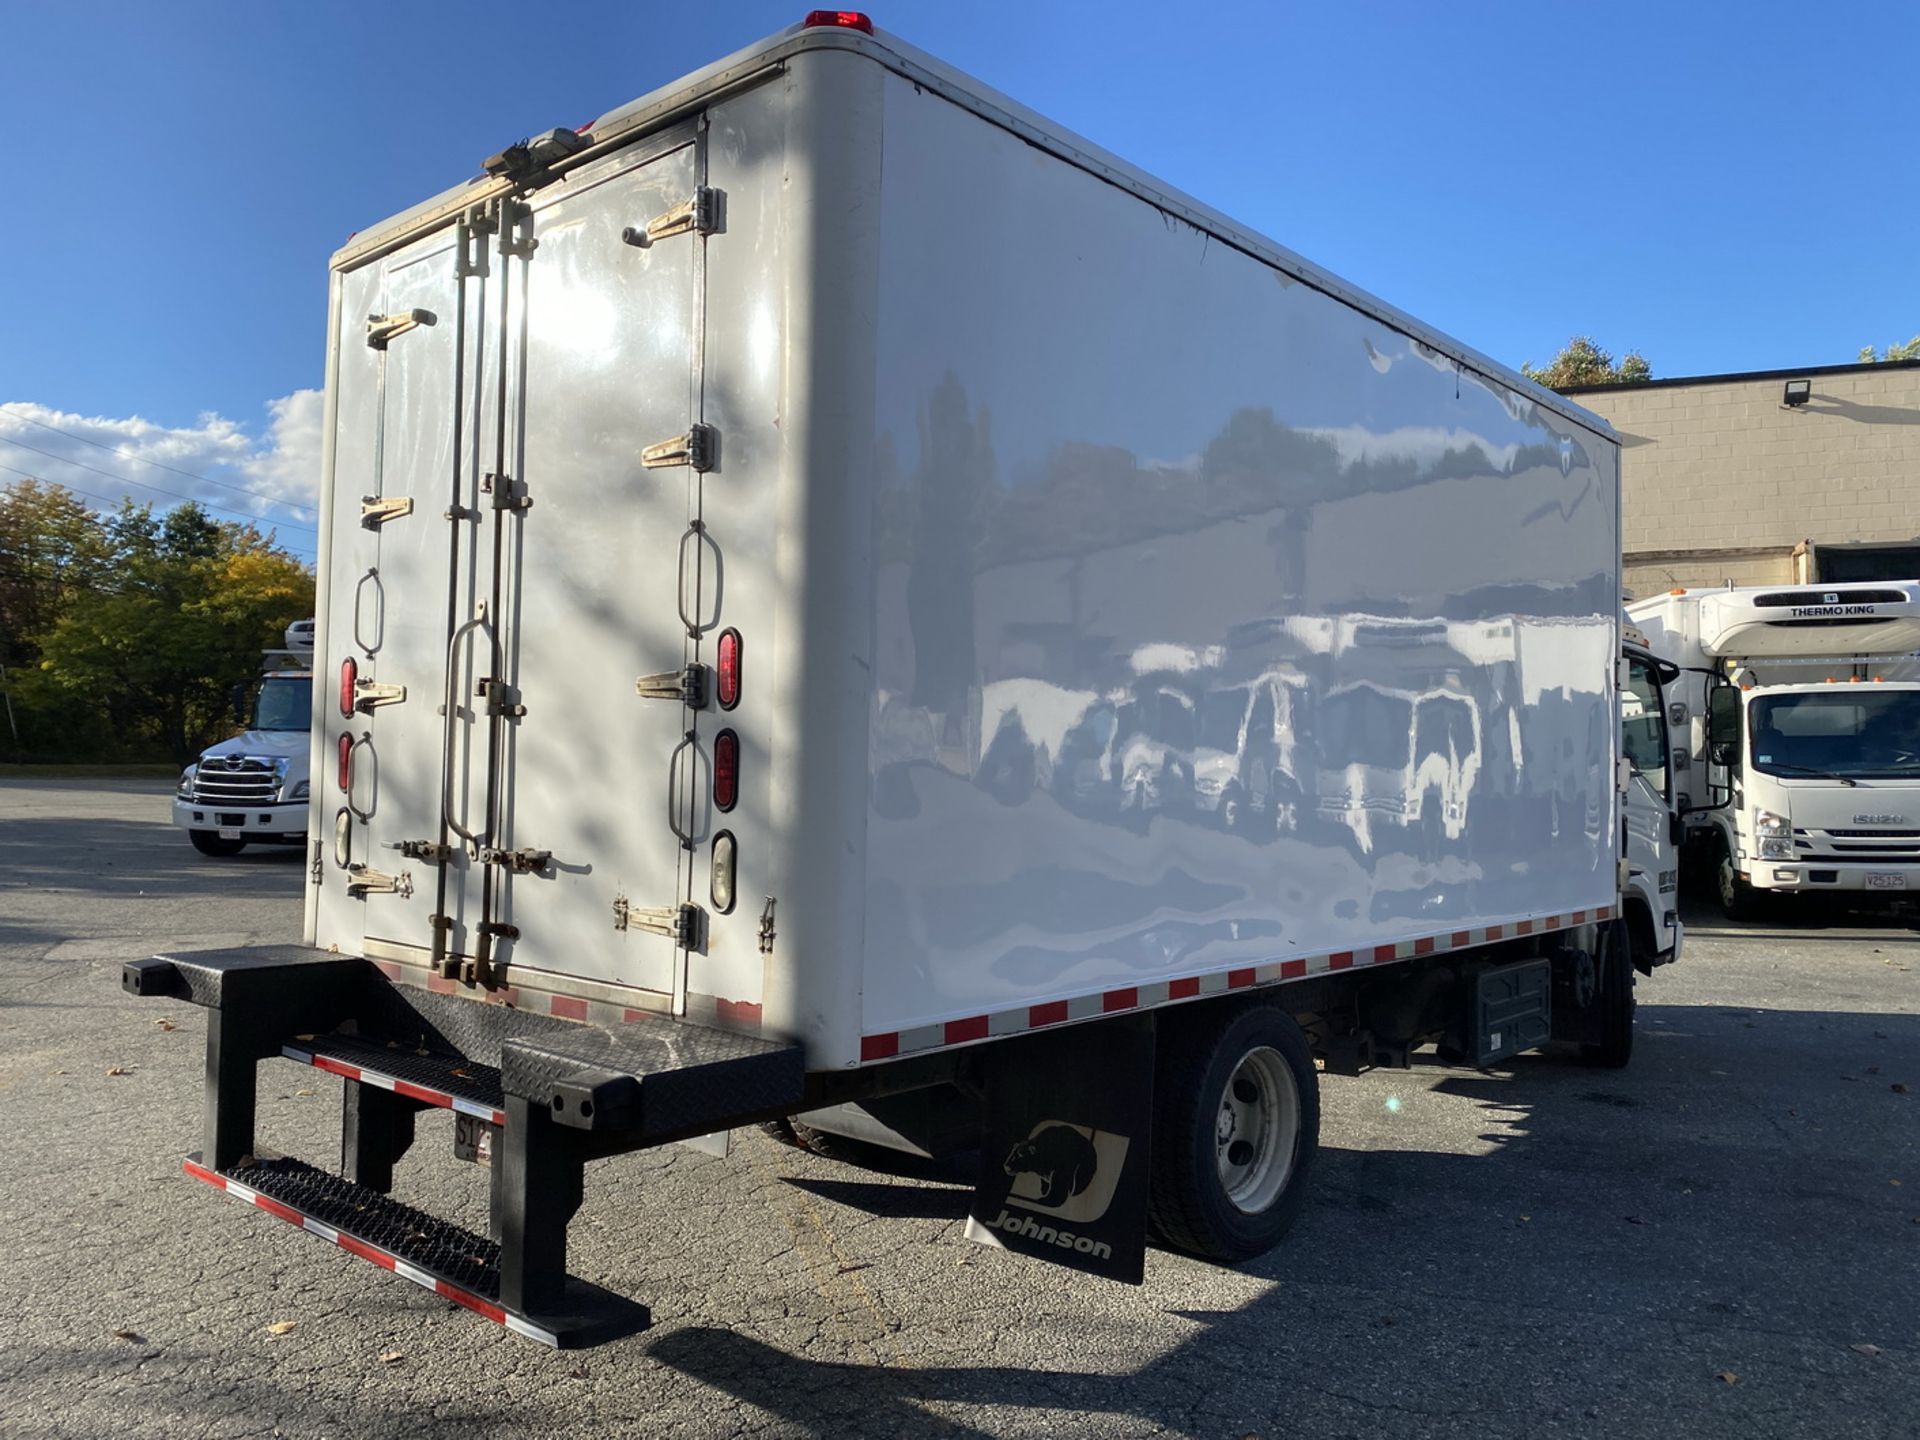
{"points": [[435, 1254], [449, 1081]]}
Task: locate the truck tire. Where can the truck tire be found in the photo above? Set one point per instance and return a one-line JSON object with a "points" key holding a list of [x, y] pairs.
{"points": [[1236, 1125], [208, 842], [1615, 1003], [1738, 900]]}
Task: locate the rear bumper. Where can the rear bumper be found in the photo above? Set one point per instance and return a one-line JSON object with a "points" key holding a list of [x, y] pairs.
{"points": [[261, 821], [1899, 877]]}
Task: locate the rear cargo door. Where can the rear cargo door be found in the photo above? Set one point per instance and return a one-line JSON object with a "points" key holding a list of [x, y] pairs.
{"points": [[594, 782], [400, 533]]}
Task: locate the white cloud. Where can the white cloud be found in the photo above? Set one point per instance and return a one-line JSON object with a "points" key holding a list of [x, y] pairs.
{"points": [[273, 480]]}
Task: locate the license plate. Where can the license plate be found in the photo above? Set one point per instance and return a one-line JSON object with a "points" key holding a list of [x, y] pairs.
{"points": [[229, 834], [1886, 880], [472, 1140]]}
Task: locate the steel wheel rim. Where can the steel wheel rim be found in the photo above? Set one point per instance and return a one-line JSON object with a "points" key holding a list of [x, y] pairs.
{"points": [[1257, 1130]]}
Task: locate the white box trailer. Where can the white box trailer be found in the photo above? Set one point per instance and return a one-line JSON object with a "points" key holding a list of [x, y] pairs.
{"points": [[850, 602], [1797, 735]]}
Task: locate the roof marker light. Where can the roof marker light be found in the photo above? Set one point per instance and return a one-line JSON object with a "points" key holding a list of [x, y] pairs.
{"points": [[837, 19]]}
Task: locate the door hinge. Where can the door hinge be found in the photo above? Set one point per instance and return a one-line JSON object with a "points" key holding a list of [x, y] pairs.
{"points": [[698, 447], [699, 215], [766, 928], [317, 870], [369, 695], [688, 686], [681, 923], [521, 862], [430, 851], [382, 328], [376, 510], [362, 882]]}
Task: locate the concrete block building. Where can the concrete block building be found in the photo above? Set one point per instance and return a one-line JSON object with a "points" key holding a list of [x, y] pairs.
{"points": [[1768, 477]]}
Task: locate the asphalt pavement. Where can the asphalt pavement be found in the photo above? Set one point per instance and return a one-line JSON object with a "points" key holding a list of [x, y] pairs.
{"points": [[1721, 1240]]}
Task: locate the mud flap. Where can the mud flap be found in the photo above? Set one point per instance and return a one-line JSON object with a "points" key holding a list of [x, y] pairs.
{"points": [[1063, 1157]]}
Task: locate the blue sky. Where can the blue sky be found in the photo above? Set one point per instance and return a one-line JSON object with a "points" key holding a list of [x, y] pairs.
{"points": [[1721, 186]]}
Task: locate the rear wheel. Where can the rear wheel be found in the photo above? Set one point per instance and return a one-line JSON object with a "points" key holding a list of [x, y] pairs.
{"points": [[210, 842], [1236, 1127]]}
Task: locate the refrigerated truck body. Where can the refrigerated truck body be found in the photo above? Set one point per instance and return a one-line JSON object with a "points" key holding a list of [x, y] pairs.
{"points": [[1807, 779], [843, 600]]}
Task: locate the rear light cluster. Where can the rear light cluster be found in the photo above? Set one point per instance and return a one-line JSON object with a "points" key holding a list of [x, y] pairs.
{"points": [[726, 745]]}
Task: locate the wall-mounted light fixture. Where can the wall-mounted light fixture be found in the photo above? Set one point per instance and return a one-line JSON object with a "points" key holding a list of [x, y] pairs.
{"points": [[1798, 392]]}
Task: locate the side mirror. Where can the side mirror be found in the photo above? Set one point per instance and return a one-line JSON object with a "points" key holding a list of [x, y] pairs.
{"points": [[239, 702], [1723, 720]]}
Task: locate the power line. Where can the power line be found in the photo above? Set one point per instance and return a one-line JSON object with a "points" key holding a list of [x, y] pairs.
{"points": [[117, 453], [115, 499], [157, 489]]}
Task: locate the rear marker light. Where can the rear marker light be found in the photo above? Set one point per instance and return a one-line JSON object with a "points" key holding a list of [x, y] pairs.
{"points": [[725, 856], [726, 770], [346, 763], [342, 837], [837, 19], [349, 681], [727, 668]]}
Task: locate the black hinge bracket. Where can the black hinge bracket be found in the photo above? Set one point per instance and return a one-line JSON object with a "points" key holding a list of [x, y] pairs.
{"points": [[382, 328], [507, 493], [699, 447], [501, 698], [529, 163], [688, 686]]}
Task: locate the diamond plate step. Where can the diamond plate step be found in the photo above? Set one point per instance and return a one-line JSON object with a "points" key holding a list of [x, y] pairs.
{"points": [[449, 1081], [433, 1253]]}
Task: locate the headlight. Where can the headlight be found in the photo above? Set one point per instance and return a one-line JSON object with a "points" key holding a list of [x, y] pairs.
{"points": [[1765, 822], [185, 788], [298, 792], [1771, 849]]}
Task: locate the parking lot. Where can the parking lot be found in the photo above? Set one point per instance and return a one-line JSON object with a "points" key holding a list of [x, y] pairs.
{"points": [[1723, 1239]]}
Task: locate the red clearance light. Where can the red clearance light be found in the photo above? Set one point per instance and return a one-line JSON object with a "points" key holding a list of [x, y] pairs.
{"points": [[349, 681], [346, 763], [837, 19], [726, 770], [728, 666]]}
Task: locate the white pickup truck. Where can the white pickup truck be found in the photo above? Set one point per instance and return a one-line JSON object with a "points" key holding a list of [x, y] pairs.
{"points": [[253, 787]]}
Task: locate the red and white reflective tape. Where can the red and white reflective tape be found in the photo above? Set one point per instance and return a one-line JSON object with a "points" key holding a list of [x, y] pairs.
{"points": [[386, 1260], [425, 1094], [976, 1028]]}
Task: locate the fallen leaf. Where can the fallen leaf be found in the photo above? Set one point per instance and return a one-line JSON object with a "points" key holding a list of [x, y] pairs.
{"points": [[303, 1092], [1873, 1070], [1728, 1376], [392, 1357], [849, 1268], [166, 1024], [1525, 1218], [120, 1070], [134, 1337], [578, 1372], [1634, 1220], [282, 1327], [459, 1072], [303, 1037], [1865, 1349], [1894, 1183], [1897, 1088]]}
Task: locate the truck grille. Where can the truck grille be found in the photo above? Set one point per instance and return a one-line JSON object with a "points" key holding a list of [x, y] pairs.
{"points": [[1857, 844], [217, 782]]}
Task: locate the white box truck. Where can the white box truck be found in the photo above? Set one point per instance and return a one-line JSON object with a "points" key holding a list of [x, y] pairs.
{"points": [[252, 788], [855, 609], [1796, 717]]}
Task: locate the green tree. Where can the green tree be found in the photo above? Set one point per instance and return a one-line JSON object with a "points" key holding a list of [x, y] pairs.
{"points": [[184, 609], [1908, 351], [1581, 362]]}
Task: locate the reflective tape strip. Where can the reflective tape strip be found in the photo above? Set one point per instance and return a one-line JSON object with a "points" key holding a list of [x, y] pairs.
{"points": [[424, 1094], [972, 1029]]}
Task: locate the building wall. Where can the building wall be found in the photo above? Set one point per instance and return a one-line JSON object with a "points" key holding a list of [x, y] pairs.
{"points": [[1720, 480]]}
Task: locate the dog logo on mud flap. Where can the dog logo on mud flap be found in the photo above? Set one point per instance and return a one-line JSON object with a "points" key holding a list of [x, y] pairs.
{"points": [[1067, 1170]]}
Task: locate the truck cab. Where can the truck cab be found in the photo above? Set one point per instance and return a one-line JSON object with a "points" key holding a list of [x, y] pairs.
{"points": [[1802, 742], [253, 788]]}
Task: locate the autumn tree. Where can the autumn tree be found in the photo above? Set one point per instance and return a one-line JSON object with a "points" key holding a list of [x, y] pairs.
{"points": [[1582, 362]]}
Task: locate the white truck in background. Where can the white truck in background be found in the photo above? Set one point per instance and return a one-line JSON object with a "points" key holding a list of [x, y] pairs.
{"points": [[1796, 716], [253, 788], [857, 610]]}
